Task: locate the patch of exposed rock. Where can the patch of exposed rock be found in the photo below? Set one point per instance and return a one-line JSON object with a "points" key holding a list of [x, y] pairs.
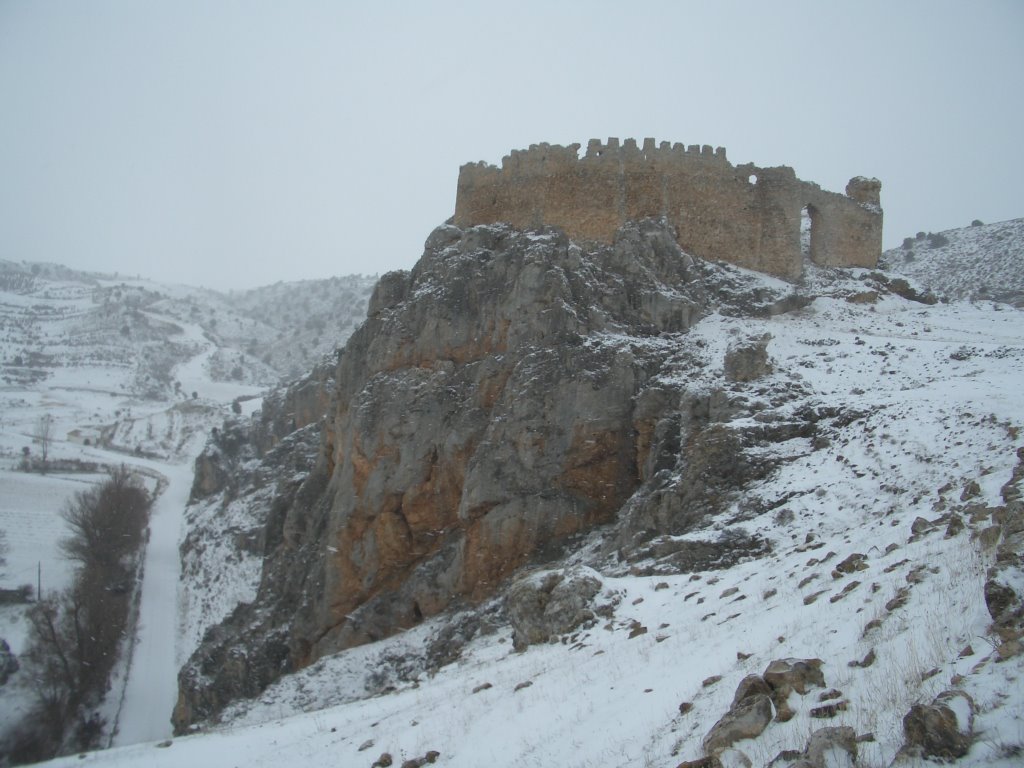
{"points": [[506, 396], [942, 730], [545, 605], [1004, 586], [748, 360]]}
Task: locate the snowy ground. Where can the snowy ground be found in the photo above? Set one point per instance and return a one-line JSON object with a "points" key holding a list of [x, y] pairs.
{"points": [[938, 403]]}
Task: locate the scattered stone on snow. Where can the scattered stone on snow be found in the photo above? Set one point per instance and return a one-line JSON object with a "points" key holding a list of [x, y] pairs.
{"points": [[828, 710], [846, 591], [853, 563], [867, 661], [813, 597]]}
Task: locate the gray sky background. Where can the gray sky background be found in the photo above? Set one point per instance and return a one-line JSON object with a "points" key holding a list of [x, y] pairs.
{"points": [[234, 144]]}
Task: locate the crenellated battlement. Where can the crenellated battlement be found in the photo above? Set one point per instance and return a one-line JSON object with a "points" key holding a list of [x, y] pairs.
{"points": [[744, 214], [546, 157]]}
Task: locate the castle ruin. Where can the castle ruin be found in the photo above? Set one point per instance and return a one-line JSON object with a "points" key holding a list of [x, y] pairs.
{"points": [[742, 214]]}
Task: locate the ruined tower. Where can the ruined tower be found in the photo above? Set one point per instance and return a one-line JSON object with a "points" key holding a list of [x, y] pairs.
{"points": [[745, 215]]}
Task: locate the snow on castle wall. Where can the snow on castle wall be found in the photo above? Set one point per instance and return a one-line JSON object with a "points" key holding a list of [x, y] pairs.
{"points": [[745, 215]]}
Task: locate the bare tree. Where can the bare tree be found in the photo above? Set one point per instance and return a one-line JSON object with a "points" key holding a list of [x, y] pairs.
{"points": [[75, 636], [43, 436], [107, 522]]}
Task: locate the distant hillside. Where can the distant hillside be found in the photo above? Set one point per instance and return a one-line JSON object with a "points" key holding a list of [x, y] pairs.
{"points": [[308, 318], [983, 261], [51, 315]]}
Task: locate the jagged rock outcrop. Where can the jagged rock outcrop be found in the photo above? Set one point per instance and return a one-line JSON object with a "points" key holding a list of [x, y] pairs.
{"points": [[284, 411], [552, 603], [502, 398]]}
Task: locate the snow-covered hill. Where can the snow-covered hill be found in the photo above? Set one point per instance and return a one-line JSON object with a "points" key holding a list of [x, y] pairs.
{"points": [[983, 261], [97, 371], [881, 533]]}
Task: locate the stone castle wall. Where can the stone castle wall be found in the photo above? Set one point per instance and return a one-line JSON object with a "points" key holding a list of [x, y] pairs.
{"points": [[742, 214]]}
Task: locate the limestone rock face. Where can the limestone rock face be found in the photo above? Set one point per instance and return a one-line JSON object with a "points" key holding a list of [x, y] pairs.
{"points": [[492, 406]]}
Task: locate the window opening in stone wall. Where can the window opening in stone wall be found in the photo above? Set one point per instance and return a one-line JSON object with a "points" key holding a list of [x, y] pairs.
{"points": [[753, 178], [810, 233]]}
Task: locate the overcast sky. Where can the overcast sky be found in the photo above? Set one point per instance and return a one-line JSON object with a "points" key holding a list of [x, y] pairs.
{"points": [[234, 144]]}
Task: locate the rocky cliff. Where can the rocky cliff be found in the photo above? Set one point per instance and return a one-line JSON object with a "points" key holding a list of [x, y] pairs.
{"points": [[511, 393]]}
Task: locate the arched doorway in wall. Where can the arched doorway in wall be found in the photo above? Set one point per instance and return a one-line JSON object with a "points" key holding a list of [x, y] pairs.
{"points": [[810, 234]]}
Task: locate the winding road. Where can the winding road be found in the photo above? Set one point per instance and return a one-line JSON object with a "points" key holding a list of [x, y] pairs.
{"points": [[151, 688]]}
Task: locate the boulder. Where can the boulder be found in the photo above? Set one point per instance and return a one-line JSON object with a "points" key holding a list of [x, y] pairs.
{"points": [[1004, 604], [784, 676], [751, 685], [832, 747], [747, 720], [943, 729], [800, 675], [551, 603], [747, 360], [920, 525], [853, 563]]}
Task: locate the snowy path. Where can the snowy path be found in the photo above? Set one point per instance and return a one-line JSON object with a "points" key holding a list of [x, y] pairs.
{"points": [[151, 689], [152, 686]]}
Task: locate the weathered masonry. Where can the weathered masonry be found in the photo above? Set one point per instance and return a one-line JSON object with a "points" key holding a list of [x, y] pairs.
{"points": [[741, 214]]}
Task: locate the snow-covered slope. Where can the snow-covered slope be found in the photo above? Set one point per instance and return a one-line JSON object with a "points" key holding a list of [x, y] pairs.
{"points": [[983, 261], [920, 411]]}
